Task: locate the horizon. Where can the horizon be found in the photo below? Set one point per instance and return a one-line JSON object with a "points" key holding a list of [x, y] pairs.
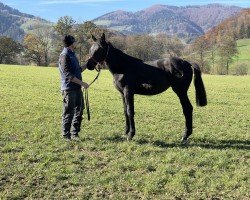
{"points": [[85, 10]]}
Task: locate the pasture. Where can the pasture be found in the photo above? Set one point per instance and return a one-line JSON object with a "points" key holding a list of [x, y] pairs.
{"points": [[36, 162], [243, 56]]}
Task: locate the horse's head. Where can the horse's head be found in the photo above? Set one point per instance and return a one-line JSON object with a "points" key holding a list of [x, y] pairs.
{"points": [[98, 52]]}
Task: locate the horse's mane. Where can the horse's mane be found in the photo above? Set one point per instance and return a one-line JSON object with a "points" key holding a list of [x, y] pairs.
{"points": [[125, 57]]}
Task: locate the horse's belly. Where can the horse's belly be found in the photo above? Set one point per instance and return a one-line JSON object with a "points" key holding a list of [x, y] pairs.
{"points": [[151, 89]]}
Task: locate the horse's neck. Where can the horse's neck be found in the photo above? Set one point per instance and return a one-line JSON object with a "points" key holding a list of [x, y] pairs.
{"points": [[114, 61], [118, 61]]}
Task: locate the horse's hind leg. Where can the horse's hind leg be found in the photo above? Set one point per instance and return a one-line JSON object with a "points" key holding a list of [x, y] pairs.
{"points": [[188, 113], [129, 101]]}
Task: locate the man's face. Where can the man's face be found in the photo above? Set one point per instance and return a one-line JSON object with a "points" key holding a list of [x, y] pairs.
{"points": [[72, 46]]}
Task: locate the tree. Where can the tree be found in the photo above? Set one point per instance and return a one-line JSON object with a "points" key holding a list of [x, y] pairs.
{"points": [[44, 36], [118, 41], [248, 31], [200, 48], [34, 50], [227, 49], [141, 47], [8, 50], [64, 26], [212, 47], [173, 46], [242, 31], [83, 37]]}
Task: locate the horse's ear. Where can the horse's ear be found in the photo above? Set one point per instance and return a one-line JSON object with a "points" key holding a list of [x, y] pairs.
{"points": [[103, 37], [93, 38]]}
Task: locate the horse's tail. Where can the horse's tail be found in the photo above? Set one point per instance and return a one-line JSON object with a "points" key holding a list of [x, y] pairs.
{"points": [[200, 92]]}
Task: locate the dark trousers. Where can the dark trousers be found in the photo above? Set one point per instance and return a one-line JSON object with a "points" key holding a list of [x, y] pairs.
{"points": [[73, 106]]}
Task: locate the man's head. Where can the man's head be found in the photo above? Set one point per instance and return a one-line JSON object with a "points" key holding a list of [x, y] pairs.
{"points": [[68, 40]]}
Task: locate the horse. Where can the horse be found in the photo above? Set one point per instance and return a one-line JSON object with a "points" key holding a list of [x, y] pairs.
{"points": [[133, 76]]}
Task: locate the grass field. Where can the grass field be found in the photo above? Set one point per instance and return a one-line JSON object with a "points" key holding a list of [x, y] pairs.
{"points": [[244, 49], [37, 163], [243, 57]]}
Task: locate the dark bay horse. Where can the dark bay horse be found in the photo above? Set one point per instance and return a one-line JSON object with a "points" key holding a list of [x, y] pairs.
{"points": [[133, 76]]}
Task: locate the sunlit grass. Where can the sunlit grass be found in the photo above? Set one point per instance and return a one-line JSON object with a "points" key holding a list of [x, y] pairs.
{"points": [[36, 162]]}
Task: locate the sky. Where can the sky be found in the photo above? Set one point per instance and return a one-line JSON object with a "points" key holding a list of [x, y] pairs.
{"points": [[84, 10]]}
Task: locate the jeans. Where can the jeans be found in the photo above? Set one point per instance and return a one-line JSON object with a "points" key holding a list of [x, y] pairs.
{"points": [[73, 105]]}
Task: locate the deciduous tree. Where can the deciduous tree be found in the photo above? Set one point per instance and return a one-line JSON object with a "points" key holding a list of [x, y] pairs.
{"points": [[8, 50], [64, 25], [226, 50], [34, 50]]}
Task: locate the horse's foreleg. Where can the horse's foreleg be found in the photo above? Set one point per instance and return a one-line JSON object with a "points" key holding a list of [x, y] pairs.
{"points": [[126, 115], [129, 101], [188, 113]]}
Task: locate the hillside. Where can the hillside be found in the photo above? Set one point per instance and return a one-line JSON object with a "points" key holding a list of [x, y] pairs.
{"points": [[232, 25], [190, 21], [243, 58], [15, 24]]}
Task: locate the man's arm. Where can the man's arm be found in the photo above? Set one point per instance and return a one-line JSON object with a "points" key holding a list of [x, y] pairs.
{"points": [[65, 68], [78, 81], [70, 76]]}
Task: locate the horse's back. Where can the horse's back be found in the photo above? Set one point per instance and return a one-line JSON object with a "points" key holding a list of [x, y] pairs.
{"points": [[148, 79]]}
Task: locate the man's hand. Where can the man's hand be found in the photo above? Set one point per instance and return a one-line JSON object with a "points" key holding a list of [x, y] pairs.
{"points": [[85, 85]]}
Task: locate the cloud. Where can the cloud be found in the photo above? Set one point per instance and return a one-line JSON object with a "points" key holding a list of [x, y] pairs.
{"points": [[49, 2]]}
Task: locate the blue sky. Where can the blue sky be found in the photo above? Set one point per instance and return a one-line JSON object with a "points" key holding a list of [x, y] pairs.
{"points": [[82, 10]]}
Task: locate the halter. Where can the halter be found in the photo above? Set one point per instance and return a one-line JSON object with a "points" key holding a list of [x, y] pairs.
{"points": [[100, 62]]}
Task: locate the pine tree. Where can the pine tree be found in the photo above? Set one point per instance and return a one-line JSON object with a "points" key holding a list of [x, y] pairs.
{"points": [[248, 32], [242, 31]]}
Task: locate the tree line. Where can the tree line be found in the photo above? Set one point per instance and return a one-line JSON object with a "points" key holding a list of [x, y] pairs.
{"points": [[43, 45]]}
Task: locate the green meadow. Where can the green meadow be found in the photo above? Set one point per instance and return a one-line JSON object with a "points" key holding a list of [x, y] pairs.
{"points": [[37, 163], [243, 57]]}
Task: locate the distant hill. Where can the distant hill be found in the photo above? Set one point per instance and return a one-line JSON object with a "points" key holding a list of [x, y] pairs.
{"points": [[238, 25], [15, 24], [185, 22]]}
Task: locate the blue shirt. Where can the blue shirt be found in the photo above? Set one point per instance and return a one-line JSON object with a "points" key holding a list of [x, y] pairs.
{"points": [[69, 68]]}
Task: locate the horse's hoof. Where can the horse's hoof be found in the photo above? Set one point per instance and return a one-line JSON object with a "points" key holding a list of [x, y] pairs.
{"points": [[130, 136], [184, 141]]}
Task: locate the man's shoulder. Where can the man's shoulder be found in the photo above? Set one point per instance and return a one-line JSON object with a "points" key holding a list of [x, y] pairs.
{"points": [[64, 52]]}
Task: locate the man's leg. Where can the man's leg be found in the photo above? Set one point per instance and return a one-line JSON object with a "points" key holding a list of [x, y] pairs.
{"points": [[68, 112], [79, 106]]}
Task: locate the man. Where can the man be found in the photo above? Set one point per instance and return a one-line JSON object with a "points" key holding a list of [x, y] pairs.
{"points": [[71, 83]]}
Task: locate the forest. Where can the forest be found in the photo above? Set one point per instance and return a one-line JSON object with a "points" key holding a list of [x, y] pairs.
{"points": [[215, 51]]}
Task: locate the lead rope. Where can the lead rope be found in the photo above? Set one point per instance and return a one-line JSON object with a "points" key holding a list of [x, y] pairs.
{"points": [[86, 94]]}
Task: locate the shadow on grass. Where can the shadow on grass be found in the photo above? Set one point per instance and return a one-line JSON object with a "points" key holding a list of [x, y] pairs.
{"points": [[116, 138], [243, 45], [207, 144]]}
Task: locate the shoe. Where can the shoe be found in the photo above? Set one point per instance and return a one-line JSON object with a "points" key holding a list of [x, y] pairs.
{"points": [[75, 136], [67, 136]]}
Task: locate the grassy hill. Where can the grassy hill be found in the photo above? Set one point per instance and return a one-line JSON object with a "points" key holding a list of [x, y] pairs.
{"points": [[244, 49], [243, 58], [37, 163], [15, 24]]}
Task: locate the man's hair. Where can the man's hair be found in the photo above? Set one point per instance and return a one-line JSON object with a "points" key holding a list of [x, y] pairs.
{"points": [[68, 40]]}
